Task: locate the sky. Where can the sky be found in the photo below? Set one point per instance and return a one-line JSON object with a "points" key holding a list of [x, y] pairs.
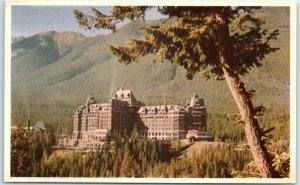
{"points": [[30, 20]]}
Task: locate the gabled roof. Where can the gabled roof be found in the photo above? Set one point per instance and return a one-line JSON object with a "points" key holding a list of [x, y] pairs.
{"points": [[90, 100], [39, 126], [126, 95]]}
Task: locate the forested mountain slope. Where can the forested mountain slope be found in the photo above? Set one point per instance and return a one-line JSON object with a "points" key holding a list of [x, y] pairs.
{"points": [[53, 72]]}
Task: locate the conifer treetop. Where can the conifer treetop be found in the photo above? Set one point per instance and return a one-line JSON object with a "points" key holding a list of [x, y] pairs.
{"points": [[191, 37]]}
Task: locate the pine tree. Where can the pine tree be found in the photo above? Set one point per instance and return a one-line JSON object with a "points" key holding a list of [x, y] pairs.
{"points": [[129, 167], [116, 169], [21, 154], [222, 174], [207, 173], [224, 43]]}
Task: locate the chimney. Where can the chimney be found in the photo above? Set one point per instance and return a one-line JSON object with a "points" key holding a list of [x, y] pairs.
{"points": [[28, 124]]}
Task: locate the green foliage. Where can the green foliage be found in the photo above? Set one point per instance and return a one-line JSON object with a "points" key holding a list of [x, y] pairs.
{"points": [[80, 61], [99, 20], [87, 60], [192, 41], [224, 127], [132, 157], [129, 167], [280, 155], [281, 163], [141, 158], [28, 150], [20, 153]]}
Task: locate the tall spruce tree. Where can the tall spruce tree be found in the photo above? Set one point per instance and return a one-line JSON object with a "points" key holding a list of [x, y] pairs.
{"points": [[219, 42], [21, 152]]}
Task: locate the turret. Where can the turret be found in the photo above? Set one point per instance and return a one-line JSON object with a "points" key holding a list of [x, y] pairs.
{"points": [[90, 100], [197, 110]]}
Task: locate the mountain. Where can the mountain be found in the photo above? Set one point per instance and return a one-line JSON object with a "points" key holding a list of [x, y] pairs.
{"points": [[17, 39], [61, 68], [33, 53]]}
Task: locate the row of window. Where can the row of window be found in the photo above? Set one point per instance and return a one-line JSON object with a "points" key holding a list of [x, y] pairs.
{"points": [[162, 117], [164, 138], [168, 128], [159, 120], [160, 124], [158, 134]]}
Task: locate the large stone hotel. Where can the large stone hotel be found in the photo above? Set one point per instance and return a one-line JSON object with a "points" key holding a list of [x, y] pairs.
{"points": [[93, 122]]}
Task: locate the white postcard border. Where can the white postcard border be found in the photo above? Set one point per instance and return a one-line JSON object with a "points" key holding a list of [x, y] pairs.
{"points": [[7, 90]]}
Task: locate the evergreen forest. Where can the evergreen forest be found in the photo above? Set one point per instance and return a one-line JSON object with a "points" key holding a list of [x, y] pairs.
{"points": [[54, 72]]}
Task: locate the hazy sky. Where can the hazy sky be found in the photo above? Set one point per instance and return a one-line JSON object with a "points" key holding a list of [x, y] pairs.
{"points": [[29, 20]]}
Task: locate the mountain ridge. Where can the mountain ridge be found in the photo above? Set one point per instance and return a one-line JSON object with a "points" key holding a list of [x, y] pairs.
{"points": [[54, 67]]}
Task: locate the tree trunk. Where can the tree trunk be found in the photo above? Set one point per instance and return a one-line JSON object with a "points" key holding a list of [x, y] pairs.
{"points": [[258, 149], [243, 101]]}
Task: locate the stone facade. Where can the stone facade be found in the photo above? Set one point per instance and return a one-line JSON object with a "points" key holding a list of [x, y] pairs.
{"points": [[93, 122], [171, 122]]}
